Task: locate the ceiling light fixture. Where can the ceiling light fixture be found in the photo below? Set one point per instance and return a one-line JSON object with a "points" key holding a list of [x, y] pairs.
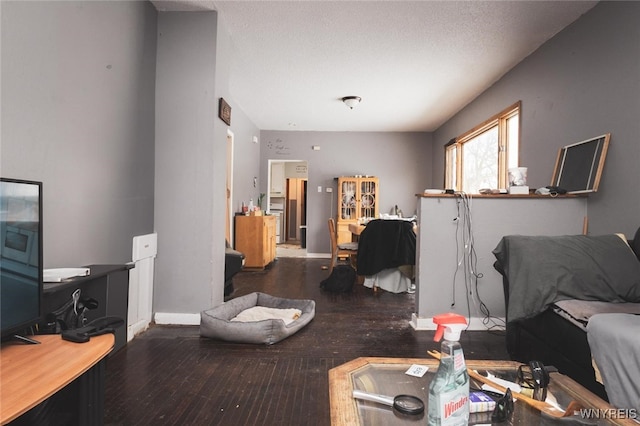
{"points": [[351, 101]]}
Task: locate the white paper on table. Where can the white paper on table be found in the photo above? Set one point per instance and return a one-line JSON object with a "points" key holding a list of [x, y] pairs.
{"points": [[57, 275]]}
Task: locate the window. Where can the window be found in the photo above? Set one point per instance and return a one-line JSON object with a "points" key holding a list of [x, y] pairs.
{"points": [[481, 157]]}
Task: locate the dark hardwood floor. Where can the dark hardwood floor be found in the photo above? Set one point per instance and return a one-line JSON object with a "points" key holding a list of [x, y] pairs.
{"points": [[171, 376]]}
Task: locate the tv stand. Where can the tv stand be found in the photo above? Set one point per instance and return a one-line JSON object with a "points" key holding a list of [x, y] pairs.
{"points": [[108, 284]]}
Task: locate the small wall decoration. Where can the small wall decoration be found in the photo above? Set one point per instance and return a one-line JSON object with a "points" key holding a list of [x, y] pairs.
{"points": [[224, 111]]}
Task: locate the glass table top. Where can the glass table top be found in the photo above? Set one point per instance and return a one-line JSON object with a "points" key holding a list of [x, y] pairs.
{"points": [[387, 376]]}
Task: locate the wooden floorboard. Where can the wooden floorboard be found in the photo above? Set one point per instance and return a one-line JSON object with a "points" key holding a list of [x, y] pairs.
{"points": [[170, 376]]}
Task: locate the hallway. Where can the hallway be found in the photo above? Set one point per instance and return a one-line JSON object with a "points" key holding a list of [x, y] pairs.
{"points": [[290, 250]]}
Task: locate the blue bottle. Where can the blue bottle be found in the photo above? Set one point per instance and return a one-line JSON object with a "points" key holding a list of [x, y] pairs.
{"points": [[449, 389]]}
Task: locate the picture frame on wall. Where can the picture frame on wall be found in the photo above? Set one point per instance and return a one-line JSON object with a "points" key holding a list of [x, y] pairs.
{"points": [[224, 111]]}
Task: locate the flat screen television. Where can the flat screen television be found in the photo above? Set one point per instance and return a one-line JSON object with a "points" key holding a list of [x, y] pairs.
{"points": [[21, 266], [579, 166]]}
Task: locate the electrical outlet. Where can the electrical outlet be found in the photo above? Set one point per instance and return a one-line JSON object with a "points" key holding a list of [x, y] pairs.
{"points": [[328, 189], [319, 189]]}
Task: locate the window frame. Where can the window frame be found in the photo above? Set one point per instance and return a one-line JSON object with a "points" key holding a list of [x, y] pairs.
{"points": [[455, 147]]}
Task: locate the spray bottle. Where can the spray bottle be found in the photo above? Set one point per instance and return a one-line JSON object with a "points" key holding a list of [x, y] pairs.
{"points": [[449, 389]]}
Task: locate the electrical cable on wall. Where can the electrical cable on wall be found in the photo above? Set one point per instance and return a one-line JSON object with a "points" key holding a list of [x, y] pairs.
{"points": [[466, 259], [462, 206]]}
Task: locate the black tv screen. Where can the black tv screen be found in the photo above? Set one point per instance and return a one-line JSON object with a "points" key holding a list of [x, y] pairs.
{"points": [[20, 255]]}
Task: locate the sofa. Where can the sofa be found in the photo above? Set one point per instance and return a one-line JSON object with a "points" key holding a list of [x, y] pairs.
{"points": [[553, 285]]}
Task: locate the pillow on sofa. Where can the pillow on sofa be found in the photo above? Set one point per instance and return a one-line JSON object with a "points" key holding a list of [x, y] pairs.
{"points": [[635, 244], [541, 270]]}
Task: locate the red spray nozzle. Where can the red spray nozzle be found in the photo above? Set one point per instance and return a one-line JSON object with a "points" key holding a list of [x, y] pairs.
{"points": [[450, 322]]}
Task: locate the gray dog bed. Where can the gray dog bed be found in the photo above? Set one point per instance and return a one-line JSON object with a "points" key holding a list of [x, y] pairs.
{"points": [[217, 322]]}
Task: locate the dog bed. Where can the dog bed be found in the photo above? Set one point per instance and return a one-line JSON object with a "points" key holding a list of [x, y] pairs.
{"points": [[223, 321]]}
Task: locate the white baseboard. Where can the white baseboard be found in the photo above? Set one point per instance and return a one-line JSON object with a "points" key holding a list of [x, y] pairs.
{"points": [[426, 323], [134, 329], [167, 318]]}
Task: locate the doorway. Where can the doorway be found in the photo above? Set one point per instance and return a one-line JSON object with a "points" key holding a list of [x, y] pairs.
{"points": [[287, 200], [296, 213]]}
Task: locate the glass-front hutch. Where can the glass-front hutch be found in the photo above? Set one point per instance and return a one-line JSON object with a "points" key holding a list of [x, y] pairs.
{"points": [[357, 200]]}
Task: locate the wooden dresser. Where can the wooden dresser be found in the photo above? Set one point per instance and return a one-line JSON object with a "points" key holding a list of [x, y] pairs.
{"points": [[256, 238]]}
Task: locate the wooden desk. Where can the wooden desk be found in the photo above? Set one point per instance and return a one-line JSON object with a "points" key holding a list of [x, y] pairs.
{"points": [[386, 376], [29, 374]]}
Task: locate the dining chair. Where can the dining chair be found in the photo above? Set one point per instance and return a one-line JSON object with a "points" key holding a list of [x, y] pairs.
{"points": [[349, 250]]}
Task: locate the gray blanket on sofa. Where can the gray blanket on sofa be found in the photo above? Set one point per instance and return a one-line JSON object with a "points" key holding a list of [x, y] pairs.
{"points": [[541, 270], [620, 368]]}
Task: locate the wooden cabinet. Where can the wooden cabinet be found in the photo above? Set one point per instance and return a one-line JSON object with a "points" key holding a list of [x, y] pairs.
{"points": [[256, 238], [357, 198]]}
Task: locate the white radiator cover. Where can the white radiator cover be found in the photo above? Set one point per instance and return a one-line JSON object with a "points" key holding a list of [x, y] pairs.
{"points": [[140, 309]]}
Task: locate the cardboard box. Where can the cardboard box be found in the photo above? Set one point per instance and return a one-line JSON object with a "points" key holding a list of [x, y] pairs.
{"points": [[520, 190]]}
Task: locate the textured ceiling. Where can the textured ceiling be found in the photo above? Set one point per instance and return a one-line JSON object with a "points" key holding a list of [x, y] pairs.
{"points": [[414, 63]]}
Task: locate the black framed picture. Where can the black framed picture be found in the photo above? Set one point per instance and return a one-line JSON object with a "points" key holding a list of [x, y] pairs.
{"points": [[224, 111], [579, 166]]}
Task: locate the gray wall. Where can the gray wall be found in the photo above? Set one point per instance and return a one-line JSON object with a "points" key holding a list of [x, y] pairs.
{"points": [[402, 162], [246, 160], [192, 74], [78, 115], [445, 280], [582, 83], [185, 171]]}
